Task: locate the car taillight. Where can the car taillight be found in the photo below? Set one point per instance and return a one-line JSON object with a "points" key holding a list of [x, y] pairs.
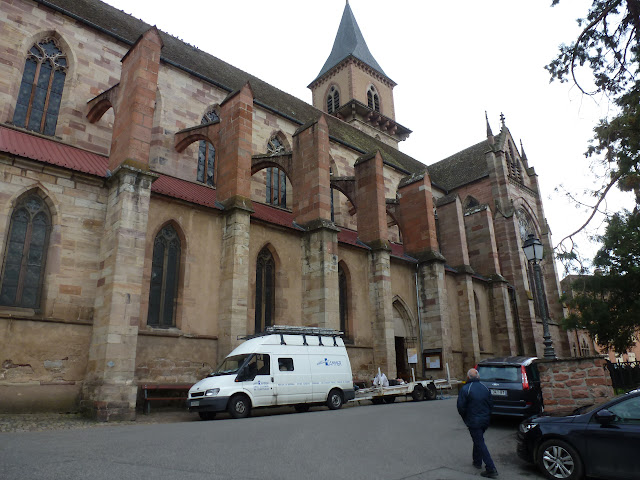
{"points": [[525, 380]]}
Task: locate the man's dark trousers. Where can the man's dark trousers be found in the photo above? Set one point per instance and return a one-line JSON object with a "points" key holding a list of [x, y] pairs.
{"points": [[480, 450]]}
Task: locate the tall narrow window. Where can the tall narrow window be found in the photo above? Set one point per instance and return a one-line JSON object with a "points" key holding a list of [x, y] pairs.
{"points": [[265, 290], [40, 92], [372, 99], [206, 154], [343, 301], [276, 191], [165, 269], [24, 261], [333, 100]]}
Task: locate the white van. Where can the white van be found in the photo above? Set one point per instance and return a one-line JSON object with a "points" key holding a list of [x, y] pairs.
{"points": [[299, 366]]}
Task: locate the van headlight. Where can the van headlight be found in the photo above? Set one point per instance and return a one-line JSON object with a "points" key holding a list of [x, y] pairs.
{"points": [[527, 427], [212, 393]]}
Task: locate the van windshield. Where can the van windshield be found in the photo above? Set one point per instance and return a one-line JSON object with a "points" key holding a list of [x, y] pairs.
{"points": [[230, 365]]}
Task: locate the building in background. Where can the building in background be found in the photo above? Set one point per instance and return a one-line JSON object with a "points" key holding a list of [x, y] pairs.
{"points": [[157, 203]]}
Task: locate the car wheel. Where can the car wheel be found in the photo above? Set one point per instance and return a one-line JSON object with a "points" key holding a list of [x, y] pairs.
{"points": [[334, 400], [301, 407], [559, 460], [418, 393], [431, 392], [389, 399], [239, 406], [207, 415]]}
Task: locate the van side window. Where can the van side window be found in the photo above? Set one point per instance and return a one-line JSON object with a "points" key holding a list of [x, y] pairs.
{"points": [[262, 362], [285, 364]]}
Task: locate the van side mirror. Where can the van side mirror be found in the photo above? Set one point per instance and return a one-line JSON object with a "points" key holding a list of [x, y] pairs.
{"points": [[605, 417]]}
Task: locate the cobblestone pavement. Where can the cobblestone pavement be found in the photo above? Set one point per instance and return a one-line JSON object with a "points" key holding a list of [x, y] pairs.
{"points": [[35, 422]]}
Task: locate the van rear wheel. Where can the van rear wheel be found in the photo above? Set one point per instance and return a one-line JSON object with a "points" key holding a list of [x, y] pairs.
{"points": [[239, 406], [334, 400]]}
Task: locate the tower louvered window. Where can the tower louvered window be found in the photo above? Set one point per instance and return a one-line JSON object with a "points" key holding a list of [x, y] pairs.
{"points": [[165, 268], [40, 92], [26, 251], [373, 100], [333, 100], [206, 154]]}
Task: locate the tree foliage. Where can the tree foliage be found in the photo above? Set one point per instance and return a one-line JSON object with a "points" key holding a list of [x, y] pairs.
{"points": [[607, 304], [608, 46]]}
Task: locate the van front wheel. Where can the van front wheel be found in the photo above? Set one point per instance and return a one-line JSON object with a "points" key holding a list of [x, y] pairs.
{"points": [[239, 406], [334, 400]]}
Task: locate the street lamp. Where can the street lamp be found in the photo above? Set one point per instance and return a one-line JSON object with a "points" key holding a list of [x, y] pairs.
{"points": [[533, 250]]}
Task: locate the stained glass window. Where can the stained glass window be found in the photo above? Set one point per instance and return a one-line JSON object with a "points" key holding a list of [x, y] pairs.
{"points": [[24, 261], [343, 301], [206, 154], [40, 92], [165, 269]]}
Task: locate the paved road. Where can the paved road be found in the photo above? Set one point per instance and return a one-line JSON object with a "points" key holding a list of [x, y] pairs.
{"points": [[408, 440]]}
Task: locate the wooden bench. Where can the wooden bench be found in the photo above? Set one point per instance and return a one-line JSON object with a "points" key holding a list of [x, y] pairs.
{"points": [[152, 392]]}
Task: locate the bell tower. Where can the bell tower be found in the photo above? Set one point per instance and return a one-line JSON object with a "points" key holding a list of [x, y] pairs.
{"points": [[353, 87]]}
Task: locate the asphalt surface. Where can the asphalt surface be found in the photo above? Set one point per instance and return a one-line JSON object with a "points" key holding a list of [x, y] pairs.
{"points": [[402, 441]]}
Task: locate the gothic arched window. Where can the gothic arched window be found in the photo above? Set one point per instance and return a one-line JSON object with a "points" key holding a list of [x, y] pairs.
{"points": [[333, 100], [265, 290], [206, 154], [372, 98], [165, 268], [25, 256], [40, 92]]}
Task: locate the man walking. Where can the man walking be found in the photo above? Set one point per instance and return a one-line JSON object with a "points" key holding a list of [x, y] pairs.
{"points": [[474, 406]]}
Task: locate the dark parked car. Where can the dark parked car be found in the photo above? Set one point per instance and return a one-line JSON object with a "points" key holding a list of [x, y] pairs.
{"points": [[600, 441], [514, 383]]}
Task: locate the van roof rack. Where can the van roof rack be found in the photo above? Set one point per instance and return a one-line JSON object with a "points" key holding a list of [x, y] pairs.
{"points": [[296, 330]]}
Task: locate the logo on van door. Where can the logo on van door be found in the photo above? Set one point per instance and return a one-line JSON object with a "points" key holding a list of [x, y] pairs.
{"points": [[330, 363]]}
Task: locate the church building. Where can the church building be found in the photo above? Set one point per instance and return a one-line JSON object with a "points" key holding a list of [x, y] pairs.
{"points": [[157, 204]]}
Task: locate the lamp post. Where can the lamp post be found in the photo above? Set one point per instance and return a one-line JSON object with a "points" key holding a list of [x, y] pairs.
{"points": [[533, 250]]}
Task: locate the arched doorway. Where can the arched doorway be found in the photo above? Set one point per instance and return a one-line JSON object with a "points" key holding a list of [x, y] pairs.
{"points": [[405, 338]]}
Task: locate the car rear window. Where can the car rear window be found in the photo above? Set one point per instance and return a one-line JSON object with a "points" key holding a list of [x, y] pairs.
{"points": [[489, 373]]}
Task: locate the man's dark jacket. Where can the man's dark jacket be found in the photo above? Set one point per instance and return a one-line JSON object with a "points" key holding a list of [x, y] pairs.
{"points": [[475, 404]]}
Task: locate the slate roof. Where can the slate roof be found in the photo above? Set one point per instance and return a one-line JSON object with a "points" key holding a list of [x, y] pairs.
{"points": [[349, 42], [464, 167]]}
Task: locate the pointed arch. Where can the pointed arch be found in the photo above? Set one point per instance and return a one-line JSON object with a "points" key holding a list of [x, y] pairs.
{"points": [[470, 202], [26, 248], [166, 262], [205, 172], [344, 300], [40, 94], [408, 325], [265, 289]]}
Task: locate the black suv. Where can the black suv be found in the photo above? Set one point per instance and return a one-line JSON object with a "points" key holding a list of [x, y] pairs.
{"points": [[514, 383]]}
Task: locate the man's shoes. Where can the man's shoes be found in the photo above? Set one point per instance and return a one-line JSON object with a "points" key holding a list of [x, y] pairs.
{"points": [[477, 465], [489, 474]]}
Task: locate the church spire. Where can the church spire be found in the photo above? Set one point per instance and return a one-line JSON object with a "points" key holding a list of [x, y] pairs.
{"points": [[349, 41], [489, 132]]}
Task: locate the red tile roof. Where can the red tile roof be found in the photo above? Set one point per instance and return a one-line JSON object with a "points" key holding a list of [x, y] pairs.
{"points": [[187, 191], [51, 152]]}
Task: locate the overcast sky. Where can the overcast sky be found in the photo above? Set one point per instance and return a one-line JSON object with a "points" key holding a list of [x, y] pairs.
{"points": [[451, 62]]}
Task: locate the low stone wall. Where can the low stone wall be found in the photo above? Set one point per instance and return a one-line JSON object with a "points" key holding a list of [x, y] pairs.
{"points": [[568, 383]]}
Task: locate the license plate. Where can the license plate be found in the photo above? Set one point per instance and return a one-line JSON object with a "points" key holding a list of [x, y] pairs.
{"points": [[499, 393], [195, 403]]}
